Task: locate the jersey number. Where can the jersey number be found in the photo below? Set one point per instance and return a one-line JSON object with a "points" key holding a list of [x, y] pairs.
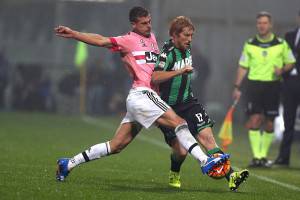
{"points": [[199, 117]]}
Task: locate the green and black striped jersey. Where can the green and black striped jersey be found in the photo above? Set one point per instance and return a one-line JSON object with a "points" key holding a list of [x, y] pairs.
{"points": [[178, 89]]}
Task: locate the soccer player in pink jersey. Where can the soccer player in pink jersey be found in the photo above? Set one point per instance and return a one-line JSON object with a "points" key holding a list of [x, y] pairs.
{"points": [[139, 53]]}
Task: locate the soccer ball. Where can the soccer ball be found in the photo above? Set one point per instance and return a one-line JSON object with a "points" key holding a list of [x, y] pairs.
{"points": [[219, 171]]}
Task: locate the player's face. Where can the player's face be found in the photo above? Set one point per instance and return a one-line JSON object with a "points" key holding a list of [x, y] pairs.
{"points": [[263, 25], [183, 39], [143, 26]]}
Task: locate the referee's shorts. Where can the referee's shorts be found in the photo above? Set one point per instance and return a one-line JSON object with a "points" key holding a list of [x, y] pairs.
{"points": [[263, 98]]}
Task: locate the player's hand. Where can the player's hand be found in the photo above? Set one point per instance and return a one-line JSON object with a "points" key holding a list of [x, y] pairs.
{"points": [[278, 71], [187, 69], [236, 94], [64, 31]]}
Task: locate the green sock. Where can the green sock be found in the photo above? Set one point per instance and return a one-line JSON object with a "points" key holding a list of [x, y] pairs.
{"points": [[214, 150], [255, 141], [267, 139]]}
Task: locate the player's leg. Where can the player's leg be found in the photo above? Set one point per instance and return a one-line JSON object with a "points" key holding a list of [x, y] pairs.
{"points": [[254, 133], [177, 156], [124, 135], [185, 138], [148, 108], [266, 141], [234, 178], [254, 95], [271, 105], [201, 127]]}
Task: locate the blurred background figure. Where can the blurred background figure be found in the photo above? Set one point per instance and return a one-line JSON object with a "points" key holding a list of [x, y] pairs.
{"points": [[291, 97], [264, 59]]}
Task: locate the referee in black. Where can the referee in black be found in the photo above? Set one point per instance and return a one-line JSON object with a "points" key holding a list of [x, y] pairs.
{"points": [[291, 97]]}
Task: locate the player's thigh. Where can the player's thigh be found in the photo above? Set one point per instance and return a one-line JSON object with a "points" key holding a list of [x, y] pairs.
{"points": [[124, 135], [197, 119], [145, 107], [170, 119]]}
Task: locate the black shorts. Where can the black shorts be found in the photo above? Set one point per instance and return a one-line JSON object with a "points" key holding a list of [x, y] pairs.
{"points": [[196, 117], [263, 98]]}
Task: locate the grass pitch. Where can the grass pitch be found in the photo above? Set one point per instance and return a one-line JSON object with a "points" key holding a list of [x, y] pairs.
{"points": [[30, 144]]}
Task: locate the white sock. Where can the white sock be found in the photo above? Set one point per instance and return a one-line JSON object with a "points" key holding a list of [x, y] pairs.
{"points": [[95, 152], [189, 143]]}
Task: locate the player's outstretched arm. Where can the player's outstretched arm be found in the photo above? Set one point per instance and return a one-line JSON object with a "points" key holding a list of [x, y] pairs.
{"points": [[162, 76], [89, 38]]}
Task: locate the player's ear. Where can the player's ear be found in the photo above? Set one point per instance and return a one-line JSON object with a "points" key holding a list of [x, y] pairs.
{"points": [[133, 24], [174, 36]]}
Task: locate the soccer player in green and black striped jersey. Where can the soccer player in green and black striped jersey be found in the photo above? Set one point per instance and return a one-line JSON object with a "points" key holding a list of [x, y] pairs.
{"points": [[173, 73]]}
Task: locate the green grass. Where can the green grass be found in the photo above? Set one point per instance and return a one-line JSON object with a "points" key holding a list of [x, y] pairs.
{"points": [[30, 144]]}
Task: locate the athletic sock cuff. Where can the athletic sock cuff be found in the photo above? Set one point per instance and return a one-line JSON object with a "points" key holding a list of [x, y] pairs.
{"points": [[215, 150], [267, 132], [181, 126]]}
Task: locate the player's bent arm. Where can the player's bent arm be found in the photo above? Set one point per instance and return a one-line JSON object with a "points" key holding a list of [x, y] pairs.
{"points": [[162, 76]]}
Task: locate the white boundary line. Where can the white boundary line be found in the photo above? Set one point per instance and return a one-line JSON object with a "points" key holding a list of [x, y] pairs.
{"points": [[158, 143]]}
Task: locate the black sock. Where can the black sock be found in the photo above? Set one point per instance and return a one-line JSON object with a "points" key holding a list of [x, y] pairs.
{"points": [[176, 163]]}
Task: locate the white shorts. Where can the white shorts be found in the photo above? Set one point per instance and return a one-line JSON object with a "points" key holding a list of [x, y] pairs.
{"points": [[144, 106]]}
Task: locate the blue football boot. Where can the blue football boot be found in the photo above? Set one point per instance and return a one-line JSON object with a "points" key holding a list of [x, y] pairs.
{"points": [[212, 161], [62, 169]]}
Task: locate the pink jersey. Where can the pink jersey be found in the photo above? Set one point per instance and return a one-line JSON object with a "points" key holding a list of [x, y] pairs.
{"points": [[139, 54]]}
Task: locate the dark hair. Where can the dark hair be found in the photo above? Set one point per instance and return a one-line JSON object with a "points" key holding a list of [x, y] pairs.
{"points": [[179, 23], [264, 14], [137, 12]]}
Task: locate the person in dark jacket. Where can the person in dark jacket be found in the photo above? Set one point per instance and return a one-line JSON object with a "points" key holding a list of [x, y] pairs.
{"points": [[291, 97]]}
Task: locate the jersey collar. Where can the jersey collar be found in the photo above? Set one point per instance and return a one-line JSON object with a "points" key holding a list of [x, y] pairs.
{"points": [[265, 40]]}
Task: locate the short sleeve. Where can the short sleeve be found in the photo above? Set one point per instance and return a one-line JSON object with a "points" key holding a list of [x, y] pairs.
{"points": [[162, 62], [119, 43], [288, 56], [244, 59]]}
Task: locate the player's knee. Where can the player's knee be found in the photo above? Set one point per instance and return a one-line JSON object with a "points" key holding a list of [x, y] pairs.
{"points": [[254, 122], [269, 126], [178, 121]]}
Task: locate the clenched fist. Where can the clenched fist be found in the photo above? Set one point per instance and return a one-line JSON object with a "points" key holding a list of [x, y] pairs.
{"points": [[64, 31]]}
